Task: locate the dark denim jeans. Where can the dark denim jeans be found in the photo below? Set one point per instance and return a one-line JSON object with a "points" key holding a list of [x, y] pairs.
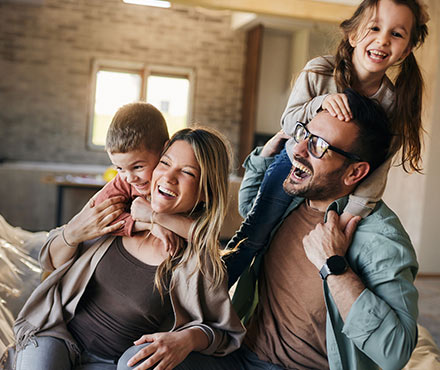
{"points": [[269, 206]]}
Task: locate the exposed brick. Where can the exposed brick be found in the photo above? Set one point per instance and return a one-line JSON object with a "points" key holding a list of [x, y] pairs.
{"points": [[45, 58]]}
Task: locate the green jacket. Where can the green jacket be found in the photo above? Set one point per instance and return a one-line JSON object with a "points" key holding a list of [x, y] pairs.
{"points": [[381, 328]]}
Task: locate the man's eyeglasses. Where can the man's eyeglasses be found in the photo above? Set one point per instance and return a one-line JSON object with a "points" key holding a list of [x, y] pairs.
{"points": [[316, 145]]}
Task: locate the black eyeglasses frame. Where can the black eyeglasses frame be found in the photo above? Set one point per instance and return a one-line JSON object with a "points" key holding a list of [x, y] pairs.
{"points": [[309, 136]]}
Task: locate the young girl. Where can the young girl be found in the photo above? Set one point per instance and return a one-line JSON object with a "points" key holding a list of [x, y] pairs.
{"points": [[381, 34], [118, 290]]}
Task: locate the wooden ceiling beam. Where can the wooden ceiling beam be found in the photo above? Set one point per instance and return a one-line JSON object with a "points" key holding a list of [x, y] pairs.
{"points": [[301, 9]]}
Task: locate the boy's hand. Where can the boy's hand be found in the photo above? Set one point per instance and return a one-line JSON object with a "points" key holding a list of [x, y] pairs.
{"points": [[171, 242], [337, 105], [141, 210], [274, 144]]}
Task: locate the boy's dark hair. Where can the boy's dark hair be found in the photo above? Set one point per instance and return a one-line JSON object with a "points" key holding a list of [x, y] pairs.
{"points": [[374, 138], [137, 126]]}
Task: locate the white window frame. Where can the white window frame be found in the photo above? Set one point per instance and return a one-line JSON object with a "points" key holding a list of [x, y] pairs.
{"points": [[144, 70]]}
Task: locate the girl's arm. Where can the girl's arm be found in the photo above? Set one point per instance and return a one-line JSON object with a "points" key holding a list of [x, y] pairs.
{"points": [[308, 93]]}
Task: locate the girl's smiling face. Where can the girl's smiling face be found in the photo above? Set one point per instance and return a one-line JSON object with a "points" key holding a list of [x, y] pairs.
{"points": [[385, 41], [175, 180]]}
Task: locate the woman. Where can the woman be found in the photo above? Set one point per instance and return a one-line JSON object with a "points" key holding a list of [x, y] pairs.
{"points": [[116, 290]]}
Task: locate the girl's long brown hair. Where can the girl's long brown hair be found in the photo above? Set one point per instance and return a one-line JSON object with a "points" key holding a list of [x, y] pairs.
{"points": [[406, 119]]}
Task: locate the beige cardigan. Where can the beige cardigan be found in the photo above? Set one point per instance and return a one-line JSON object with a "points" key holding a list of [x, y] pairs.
{"points": [[194, 302]]}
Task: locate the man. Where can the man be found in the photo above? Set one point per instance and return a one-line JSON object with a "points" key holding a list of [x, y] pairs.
{"points": [[324, 303]]}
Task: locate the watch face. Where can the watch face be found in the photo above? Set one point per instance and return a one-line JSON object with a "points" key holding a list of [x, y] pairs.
{"points": [[337, 264]]}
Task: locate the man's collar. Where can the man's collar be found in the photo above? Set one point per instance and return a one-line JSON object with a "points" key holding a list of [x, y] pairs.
{"points": [[338, 206]]}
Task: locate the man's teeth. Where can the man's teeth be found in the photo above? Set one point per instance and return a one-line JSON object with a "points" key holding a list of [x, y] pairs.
{"points": [[166, 191], [302, 167]]}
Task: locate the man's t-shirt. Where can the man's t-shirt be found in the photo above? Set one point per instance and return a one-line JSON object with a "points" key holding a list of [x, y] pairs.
{"points": [[288, 327]]}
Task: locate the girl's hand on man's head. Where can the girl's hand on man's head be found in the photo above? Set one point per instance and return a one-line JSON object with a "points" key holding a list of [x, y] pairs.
{"points": [[337, 105]]}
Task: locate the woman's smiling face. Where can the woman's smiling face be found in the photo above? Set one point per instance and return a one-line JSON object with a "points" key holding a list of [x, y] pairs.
{"points": [[175, 181]]}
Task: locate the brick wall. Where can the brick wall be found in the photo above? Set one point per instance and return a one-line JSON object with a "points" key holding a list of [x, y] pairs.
{"points": [[45, 59], [46, 54]]}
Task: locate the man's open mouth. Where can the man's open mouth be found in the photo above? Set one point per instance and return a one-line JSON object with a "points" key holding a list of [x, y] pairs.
{"points": [[299, 171]]}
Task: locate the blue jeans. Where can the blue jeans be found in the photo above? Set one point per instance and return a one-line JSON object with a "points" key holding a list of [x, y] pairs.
{"points": [[269, 206], [242, 359], [49, 353]]}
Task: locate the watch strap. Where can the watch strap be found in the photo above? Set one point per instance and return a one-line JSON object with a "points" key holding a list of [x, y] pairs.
{"points": [[324, 272]]}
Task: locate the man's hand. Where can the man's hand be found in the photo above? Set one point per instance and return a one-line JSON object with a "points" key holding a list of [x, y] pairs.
{"points": [[167, 350], [274, 144], [337, 105], [329, 239]]}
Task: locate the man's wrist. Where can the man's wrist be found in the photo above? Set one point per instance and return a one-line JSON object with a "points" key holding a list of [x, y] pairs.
{"points": [[334, 265]]}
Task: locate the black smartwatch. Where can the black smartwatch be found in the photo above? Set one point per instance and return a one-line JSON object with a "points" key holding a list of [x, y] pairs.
{"points": [[335, 265]]}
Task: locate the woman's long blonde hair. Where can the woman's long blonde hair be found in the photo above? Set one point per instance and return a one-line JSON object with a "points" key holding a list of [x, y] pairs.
{"points": [[213, 154], [406, 119]]}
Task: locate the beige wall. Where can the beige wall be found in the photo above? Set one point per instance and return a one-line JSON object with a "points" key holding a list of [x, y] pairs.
{"points": [[416, 198]]}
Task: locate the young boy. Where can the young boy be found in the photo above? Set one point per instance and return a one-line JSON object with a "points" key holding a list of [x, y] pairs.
{"points": [[134, 143]]}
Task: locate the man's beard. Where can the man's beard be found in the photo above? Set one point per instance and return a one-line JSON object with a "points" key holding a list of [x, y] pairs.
{"points": [[325, 187]]}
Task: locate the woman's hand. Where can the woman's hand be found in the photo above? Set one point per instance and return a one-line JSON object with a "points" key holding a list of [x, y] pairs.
{"points": [[167, 350], [94, 220], [91, 222], [337, 105]]}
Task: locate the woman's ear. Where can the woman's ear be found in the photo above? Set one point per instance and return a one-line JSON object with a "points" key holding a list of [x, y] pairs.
{"points": [[356, 172]]}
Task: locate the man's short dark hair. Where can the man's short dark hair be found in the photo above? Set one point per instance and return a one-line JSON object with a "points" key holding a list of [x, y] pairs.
{"points": [[373, 141]]}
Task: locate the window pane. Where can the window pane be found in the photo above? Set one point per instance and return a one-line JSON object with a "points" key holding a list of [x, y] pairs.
{"points": [[170, 96], [113, 89]]}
